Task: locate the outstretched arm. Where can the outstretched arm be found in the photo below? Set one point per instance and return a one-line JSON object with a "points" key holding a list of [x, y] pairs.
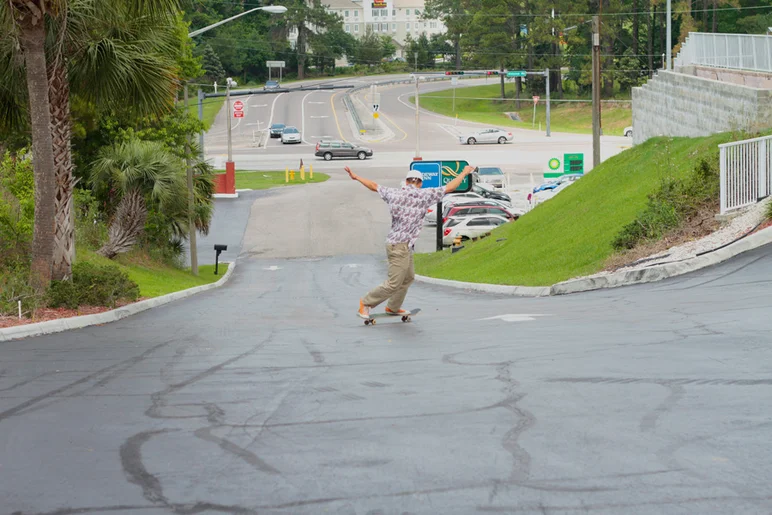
{"points": [[370, 185], [455, 183]]}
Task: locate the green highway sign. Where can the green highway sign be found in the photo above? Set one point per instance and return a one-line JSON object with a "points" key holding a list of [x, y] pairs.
{"points": [[516, 73]]}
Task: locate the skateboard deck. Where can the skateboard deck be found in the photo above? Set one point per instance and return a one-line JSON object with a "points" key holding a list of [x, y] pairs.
{"points": [[404, 318]]}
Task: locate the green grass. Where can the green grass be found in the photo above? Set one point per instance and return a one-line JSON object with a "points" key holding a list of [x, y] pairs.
{"points": [[258, 180], [153, 278], [212, 106], [571, 234], [573, 117]]}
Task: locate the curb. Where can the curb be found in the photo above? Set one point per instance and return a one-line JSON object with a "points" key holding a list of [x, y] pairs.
{"points": [[517, 291], [617, 279], [66, 324]]}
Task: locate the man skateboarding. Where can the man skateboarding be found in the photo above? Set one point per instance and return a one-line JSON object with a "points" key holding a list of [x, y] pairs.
{"points": [[407, 206]]}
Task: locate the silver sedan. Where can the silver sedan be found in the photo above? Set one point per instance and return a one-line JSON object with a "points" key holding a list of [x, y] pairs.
{"points": [[486, 136]]}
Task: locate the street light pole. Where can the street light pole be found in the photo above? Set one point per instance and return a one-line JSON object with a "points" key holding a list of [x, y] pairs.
{"points": [[229, 115], [417, 125], [670, 37], [272, 9]]}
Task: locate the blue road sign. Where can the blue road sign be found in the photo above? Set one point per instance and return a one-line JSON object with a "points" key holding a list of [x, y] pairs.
{"points": [[431, 172]]}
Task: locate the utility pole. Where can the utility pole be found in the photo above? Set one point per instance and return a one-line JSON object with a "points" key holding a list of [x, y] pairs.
{"points": [[547, 75], [229, 115], [670, 37], [417, 131], [595, 91], [191, 201], [201, 118]]}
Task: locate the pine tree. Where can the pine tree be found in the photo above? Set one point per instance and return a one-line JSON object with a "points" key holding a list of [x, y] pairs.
{"points": [[213, 69]]}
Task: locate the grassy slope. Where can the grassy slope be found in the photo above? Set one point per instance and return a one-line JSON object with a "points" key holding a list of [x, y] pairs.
{"points": [[155, 279], [212, 106], [258, 180], [571, 234], [564, 116]]}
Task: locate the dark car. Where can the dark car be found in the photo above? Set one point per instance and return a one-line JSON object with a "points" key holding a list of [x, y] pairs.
{"points": [[495, 195], [271, 84], [330, 149], [277, 129]]}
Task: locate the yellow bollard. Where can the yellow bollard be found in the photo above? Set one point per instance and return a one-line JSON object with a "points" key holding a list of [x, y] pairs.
{"points": [[311, 169], [292, 175], [286, 174], [302, 173]]}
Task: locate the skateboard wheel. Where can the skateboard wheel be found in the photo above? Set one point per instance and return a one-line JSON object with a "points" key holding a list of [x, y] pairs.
{"points": [[367, 322], [405, 319], [372, 322]]}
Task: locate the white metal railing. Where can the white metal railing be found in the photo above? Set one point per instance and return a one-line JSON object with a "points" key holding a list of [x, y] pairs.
{"points": [[746, 172], [733, 51]]}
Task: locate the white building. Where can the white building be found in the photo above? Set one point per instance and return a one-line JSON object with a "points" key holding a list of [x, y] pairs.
{"points": [[394, 18]]}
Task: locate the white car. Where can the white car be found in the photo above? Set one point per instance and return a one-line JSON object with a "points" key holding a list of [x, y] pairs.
{"points": [[493, 176], [486, 136], [290, 135], [469, 227]]}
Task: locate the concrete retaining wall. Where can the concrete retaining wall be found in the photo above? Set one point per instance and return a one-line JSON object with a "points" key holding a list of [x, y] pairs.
{"points": [[683, 104]]}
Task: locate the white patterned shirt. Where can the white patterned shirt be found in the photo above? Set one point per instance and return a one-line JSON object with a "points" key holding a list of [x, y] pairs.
{"points": [[408, 207]]}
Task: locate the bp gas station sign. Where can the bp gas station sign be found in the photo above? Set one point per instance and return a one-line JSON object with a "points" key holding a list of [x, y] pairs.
{"points": [[572, 164], [439, 173]]}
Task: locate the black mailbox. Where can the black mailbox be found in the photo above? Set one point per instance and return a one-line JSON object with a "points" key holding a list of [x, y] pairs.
{"points": [[219, 248]]}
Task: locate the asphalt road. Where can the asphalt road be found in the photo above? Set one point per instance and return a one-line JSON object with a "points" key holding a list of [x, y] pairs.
{"points": [[270, 396]]}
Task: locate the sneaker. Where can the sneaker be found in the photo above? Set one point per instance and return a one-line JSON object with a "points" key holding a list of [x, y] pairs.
{"points": [[396, 313], [364, 311]]}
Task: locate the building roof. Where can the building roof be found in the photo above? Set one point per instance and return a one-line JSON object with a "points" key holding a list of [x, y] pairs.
{"points": [[401, 4], [341, 4]]}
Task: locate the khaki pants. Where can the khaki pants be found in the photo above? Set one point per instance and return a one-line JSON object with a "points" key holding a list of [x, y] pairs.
{"points": [[401, 275]]}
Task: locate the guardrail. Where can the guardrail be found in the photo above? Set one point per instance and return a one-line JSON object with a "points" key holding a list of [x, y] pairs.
{"points": [[732, 51], [746, 172]]}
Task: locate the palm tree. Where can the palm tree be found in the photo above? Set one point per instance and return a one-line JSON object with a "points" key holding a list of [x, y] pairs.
{"points": [[23, 23], [139, 172], [106, 52]]}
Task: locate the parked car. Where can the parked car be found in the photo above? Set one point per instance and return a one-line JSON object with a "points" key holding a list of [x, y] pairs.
{"points": [[276, 130], [470, 227], [492, 175], [291, 135], [448, 202], [628, 132], [486, 136], [271, 84], [556, 183], [330, 149], [465, 211], [487, 192]]}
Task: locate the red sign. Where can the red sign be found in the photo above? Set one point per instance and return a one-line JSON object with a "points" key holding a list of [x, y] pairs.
{"points": [[238, 114], [535, 100], [238, 105]]}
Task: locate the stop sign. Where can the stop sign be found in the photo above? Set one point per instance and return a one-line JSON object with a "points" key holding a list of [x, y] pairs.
{"points": [[238, 105]]}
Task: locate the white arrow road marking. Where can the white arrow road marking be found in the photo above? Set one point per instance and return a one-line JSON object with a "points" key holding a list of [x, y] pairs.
{"points": [[272, 268], [513, 317]]}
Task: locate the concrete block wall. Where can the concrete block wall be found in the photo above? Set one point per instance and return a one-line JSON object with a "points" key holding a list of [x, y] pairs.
{"points": [[682, 104]]}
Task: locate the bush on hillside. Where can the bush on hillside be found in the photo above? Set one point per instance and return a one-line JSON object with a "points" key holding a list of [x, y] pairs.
{"points": [[676, 200], [93, 285], [17, 209]]}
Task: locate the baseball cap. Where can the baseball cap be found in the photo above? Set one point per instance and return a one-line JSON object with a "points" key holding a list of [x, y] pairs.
{"points": [[415, 174]]}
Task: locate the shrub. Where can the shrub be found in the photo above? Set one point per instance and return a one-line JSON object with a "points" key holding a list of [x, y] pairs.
{"points": [[93, 285], [675, 200], [17, 209], [14, 288], [90, 227]]}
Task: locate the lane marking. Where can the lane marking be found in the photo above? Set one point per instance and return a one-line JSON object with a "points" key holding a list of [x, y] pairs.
{"points": [[303, 117], [272, 268], [397, 126], [317, 103], [245, 113], [270, 120], [318, 117], [513, 317], [259, 105], [335, 114]]}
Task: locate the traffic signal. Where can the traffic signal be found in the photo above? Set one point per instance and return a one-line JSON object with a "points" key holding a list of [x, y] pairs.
{"points": [[454, 73], [492, 72]]}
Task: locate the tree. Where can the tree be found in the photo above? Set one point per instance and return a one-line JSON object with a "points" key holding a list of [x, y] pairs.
{"points": [[213, 70], [329, 44], [307, 17], [370, 48], [23, 24], [388, 48], [453, 15], [142, 173]]}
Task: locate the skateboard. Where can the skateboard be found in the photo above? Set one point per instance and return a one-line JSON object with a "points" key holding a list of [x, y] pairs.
{"points": [[405, 318]]}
